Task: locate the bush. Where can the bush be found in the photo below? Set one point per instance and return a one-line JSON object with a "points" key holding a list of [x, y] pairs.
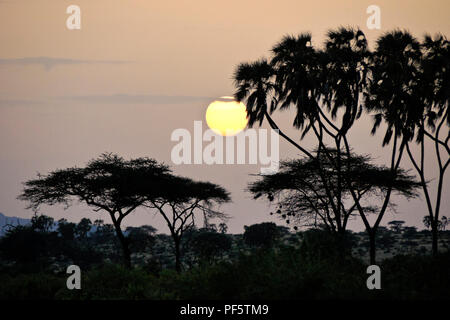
{"points": [[208, 245], [30, 286], [112, 282], [285, 273], [261, 234], [416, 277]]}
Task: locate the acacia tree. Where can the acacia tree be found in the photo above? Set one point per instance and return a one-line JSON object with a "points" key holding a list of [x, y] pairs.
{"points": [[182, 201], [109, 183], [298, 191]]}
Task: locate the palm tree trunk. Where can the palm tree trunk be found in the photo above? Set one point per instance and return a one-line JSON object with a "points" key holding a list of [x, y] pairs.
{"points": [[435, 236], [372, 247]]}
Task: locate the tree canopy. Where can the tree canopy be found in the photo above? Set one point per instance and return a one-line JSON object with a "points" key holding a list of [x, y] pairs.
{"points": [[301, 197], [181, 204], [108, 183]]}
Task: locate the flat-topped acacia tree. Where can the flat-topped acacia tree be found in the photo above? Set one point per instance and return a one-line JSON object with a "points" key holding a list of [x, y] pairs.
{"points": [[298, 191], [182, 201], [109, 183]]}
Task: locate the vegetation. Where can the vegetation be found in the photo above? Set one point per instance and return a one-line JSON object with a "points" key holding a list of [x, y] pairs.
{"points": [[182, 201], [119, 186], [403, 85], [312, 264], [108, 183], [301, 198]]}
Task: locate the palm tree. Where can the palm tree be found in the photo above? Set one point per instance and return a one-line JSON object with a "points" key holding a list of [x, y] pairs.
{"points": [[345, 69], [297, 72], [344, 66], [290, 79], [300, 76], [321, 83], [432, 117], [394, 89], [255, 84], [393, 96]]}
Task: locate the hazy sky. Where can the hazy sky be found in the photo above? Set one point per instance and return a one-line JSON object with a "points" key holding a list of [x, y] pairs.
{"points": [[138, 69]]}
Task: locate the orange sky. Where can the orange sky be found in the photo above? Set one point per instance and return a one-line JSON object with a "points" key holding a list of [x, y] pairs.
{"points": [[167, 60]]}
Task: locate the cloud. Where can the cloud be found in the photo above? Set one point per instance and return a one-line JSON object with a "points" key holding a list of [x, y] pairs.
{"points": [[108, 99], [49, 62], [139, 99], [19, 102]]}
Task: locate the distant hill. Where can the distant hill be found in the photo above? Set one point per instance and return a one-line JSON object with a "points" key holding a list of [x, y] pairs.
{"points": [[5, 220]]}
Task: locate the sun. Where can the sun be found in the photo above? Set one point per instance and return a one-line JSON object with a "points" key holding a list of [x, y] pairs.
{"points": [[226, 116]]}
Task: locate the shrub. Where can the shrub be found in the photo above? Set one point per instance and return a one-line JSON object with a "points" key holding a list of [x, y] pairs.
{"points": [[30, 286], [112, 282]]}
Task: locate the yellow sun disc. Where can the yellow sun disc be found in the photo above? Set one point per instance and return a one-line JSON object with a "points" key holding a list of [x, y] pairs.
{"points": [[226, 117]]}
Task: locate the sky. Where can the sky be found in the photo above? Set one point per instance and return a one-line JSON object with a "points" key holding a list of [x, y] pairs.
{"points": [[138, 69]]}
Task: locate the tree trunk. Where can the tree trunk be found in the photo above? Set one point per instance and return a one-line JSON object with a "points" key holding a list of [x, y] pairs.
{"points": [[125, 249], [372, 248], [435, 235]]}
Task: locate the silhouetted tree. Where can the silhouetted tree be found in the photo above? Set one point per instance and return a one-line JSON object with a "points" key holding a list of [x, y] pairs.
{"points": [[392, 93], [432, 121], [66, 230], [444, 221], [180, 202], [83, 227], [261, 235], [319, 84], [298, 189], [396, 225], [223, 228], [42, 223], [107, 183], [441, 224], [30, 246]]}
